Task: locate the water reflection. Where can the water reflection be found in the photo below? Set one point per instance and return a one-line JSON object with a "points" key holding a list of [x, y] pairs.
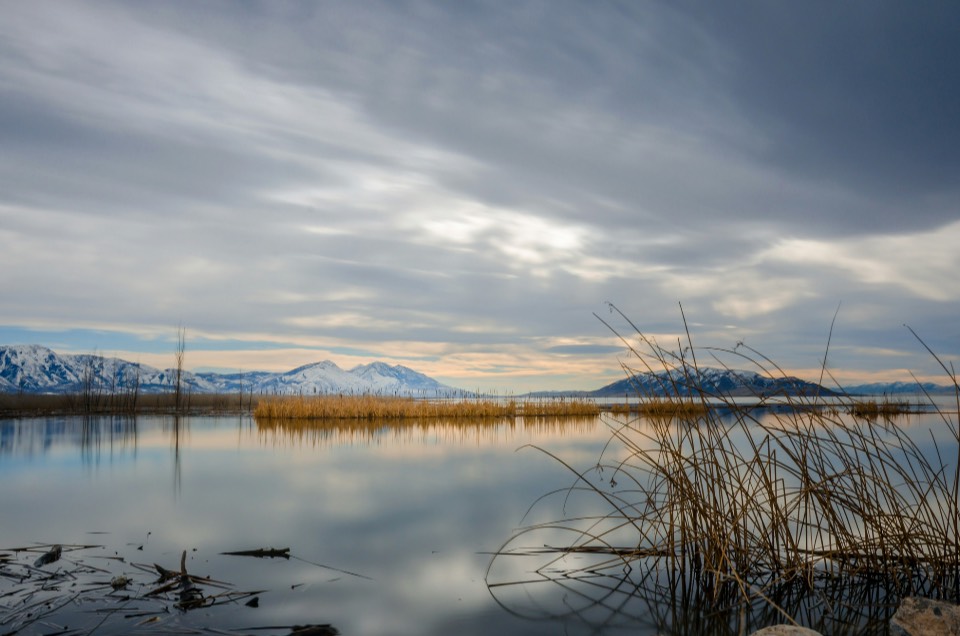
{"points": [[111, 437], [652, 599], [98, 438], [732, 521], [178, 424], [417, 507], [414, 507], [478, 431]]}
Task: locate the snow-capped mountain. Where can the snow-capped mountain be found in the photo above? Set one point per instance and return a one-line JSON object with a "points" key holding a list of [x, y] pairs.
{"points": [[37, 369], [712, 382], [32, 368]]}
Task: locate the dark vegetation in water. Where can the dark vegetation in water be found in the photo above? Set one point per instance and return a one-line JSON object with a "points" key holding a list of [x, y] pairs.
{"points": [[105, 403], [83, 589], [807, 514], [885, 408]]}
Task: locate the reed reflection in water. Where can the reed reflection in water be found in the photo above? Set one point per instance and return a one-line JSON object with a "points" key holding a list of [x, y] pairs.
{"points": [[731, 521], [348, 432], [649, 599]]}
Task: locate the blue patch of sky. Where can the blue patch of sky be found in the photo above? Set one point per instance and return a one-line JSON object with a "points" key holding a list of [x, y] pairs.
{"points": [[85, 340], [100, 341]]}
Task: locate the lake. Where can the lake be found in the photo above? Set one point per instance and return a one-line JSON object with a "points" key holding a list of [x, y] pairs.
{"points": [[390, 528]]}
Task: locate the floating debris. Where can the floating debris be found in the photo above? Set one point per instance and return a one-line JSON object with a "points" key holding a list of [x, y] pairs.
{"points": [[119, 582], [49, 557], [261, 553], [314, 630], [151, 594]]}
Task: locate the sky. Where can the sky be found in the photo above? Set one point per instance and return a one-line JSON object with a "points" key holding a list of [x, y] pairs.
{"points": [[463, 187]]}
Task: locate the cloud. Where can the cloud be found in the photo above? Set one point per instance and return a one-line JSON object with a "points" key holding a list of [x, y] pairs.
{"points": [[437, 180], [921, 264]]}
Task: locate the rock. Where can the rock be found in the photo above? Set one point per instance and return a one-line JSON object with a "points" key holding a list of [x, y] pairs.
{"points": [[49, 557], [785, 630], [925, 617]]}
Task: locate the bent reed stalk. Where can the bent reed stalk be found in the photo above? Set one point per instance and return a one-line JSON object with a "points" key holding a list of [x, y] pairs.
{"points": [[373, 407], [743, 501]]}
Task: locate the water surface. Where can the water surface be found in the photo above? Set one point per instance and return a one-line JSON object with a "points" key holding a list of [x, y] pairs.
{"points": [[391, 527]]}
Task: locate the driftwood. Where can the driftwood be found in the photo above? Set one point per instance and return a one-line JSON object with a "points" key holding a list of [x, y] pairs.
{"points": [[281, 553], [31, 596], [191, 595], [314, 630]]}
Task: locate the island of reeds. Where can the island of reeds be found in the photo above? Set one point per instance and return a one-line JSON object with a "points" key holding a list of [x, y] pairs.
{"points": [[371, 407]]}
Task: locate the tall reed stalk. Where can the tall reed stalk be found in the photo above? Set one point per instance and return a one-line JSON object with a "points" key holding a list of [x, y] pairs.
{"points": [[178, 354]]}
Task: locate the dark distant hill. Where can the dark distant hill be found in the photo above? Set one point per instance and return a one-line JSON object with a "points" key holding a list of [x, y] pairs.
{"points": [[719, 382], [899, 388]]}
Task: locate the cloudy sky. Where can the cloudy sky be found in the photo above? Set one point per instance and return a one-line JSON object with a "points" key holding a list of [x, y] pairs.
{"points": [[459, 186]]}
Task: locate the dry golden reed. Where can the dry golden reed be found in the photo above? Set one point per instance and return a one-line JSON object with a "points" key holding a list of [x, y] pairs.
{"points": [[373, 407], [661, 407], [732, 499], [876, 409]]}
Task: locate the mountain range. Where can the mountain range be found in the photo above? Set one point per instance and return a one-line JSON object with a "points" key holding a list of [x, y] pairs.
{"points": [[37, 369], [736, 383]]}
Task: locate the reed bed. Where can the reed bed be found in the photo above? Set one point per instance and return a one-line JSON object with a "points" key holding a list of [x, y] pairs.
{"points": [[31, 405], [736, 502], [661, 407], [374, 407], [886, 408]]}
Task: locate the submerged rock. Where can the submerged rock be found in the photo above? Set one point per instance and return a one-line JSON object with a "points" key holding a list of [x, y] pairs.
{"points": [[925, 617], [785, 630]]}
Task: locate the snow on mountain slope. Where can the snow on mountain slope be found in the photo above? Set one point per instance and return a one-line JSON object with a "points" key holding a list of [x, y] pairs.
{"points": [[319, 377], [389, 380], [33, 368], [37, 369]]}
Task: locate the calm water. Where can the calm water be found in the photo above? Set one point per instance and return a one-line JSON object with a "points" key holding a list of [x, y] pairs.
{"points": [[390, 528]]}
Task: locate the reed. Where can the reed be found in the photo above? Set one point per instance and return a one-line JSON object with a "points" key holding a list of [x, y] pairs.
{"points": [[877, 409], [737, 502], [562, 407], [124, 402], [375, 407], [660, 407]]}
